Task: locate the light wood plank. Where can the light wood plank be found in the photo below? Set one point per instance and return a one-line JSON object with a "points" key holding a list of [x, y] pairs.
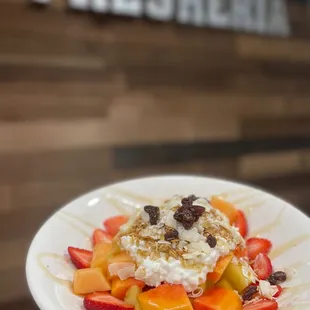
{"points": [[275, 164]]}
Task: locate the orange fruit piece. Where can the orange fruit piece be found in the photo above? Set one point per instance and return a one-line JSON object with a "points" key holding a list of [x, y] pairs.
{"points": [[218, 299], [89, 280], [120, 287], [113, 224], [225, 207], [220, 267], [165, 297]]}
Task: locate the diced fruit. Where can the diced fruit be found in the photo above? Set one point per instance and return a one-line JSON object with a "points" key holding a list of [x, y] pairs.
{"points": [[225, 207], [120, 287], [100, 235], [113, 224], [256, 246], [234, 275], [79, 257], [131, 297], [101, 252], [207, 285], [262, 266], [89, 280], [223, 283], [262, 304], [241, 223], [165, 297], [241, 252], [279, 292], [220, 267], [122, 257], [104, 301], [218, 299]]}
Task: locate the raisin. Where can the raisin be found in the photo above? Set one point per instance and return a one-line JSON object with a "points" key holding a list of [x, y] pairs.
{"points": [[211, 240], [188, 201], [184, 216], [249, 292], [197, 210], [277, 277], [153, 213], [171, 234]]}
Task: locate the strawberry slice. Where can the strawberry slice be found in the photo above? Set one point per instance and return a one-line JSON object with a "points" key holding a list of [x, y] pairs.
{"points": [[104, 301], [262, 266], [279, 292], [99, 235], [256, 246], [241, 223], [113, 224], [80, 258], [263, 304]]}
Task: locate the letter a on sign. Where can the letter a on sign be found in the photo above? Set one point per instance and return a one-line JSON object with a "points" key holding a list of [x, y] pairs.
{"points": [[160, 9], [191, 12]]}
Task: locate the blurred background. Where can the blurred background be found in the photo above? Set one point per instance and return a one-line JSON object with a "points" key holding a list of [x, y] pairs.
{"points": [[89, 99]]}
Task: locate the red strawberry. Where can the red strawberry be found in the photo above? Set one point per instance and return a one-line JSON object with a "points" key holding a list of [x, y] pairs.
{"points": [[263, 304], [104, 301], [256, 246], [113, 224], [241, 223], [100, 235], [79, 257], [279, 292], [262, 266]]}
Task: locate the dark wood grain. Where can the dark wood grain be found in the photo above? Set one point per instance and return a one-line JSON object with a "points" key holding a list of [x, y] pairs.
{"points": [[86, 100]]}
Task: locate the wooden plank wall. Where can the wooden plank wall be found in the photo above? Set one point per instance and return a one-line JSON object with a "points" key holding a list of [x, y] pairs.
{"points": [[87, 100]]}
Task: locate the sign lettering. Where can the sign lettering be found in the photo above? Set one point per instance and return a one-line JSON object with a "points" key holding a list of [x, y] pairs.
{"points": [[260, 16]]}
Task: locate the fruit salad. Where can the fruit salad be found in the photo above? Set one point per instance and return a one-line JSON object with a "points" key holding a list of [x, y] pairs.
{"points": [[189, 253]]}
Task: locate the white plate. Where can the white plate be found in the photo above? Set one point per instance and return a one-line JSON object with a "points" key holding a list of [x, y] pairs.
{"points": [[49, 272]]}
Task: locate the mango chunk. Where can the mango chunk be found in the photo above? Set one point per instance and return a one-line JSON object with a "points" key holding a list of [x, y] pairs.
{"points": [[225, 207], [223, 283], [122, 257], [220, 267], [218, 299], [89, 280], [234, 275], [100, 254], [131, 297], [207, 285], [120, 287], [165, 297]]}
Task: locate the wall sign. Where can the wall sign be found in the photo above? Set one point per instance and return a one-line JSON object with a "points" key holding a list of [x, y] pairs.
{"points": [[259, 16]]}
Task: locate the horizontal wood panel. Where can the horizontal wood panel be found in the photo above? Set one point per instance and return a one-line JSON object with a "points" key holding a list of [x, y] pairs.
{"points": [[86, 100]]}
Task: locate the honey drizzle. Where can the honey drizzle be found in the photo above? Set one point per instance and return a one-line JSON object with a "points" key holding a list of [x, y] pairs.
{"points": [[270, 226], [75, 226], [74, 216], [137, 197], [49, 274], [286, 246]]}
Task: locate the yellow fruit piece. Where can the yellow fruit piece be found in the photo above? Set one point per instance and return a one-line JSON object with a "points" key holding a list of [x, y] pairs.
{"points": [[234, 275], [89, 280], [131, 297], [220, 267], [223, 283], [207, 285], [100, 254]]}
